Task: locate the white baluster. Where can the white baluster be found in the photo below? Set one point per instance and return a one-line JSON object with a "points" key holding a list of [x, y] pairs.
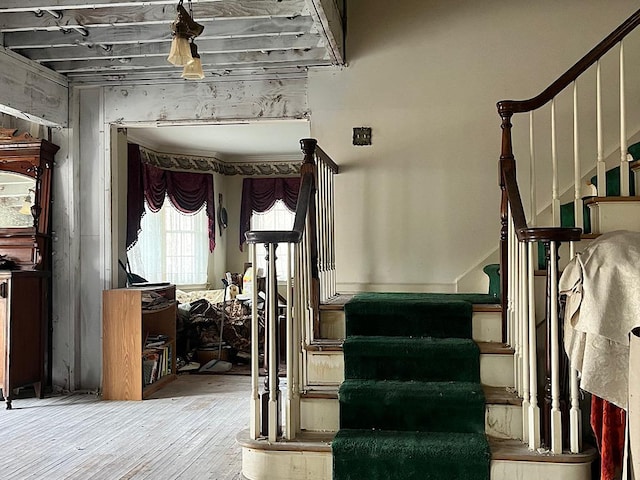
{"points": [[301, 321], [291, 410], [524, 344], [624, 165], [517, 357], [575, 415], [556, 415], [533, 427], [577, 177], [601, 167], [332, 210], [555, 196], [510, 278], [254, 425], [272, 322], [532, 172]]}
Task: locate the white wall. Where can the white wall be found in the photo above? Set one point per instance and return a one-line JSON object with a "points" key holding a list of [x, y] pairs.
{"points": [[420, 206]]}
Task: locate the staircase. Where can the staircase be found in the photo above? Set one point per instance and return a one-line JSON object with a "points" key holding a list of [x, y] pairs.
{"points": [[533, 431], [310, 456]]}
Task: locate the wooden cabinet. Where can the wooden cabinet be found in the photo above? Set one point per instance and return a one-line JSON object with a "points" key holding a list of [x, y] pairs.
{"points": [[23, 330], [26, 167], [126, 324]]}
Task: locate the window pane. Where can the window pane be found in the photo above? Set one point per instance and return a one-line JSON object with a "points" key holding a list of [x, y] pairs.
{"points": [[172, 247], [279, 217]]}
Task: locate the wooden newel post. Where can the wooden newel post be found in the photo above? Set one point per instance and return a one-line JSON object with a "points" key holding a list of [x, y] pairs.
{"points": [[506, 158], [308, 146]]}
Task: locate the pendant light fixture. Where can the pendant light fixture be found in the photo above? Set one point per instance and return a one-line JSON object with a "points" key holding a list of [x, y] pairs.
{"points": [[184, 30], [193, 70]]}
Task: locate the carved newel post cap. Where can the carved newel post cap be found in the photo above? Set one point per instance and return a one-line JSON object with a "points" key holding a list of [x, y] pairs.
{"points": [[308, 145]]}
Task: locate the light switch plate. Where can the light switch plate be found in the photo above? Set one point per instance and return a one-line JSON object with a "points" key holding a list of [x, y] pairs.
{"points": [[362, 135]]}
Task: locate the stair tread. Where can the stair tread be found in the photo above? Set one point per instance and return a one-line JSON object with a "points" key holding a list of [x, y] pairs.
{"points": [[441, 441], [500, 396], [492, 395], [469, 390], [495, 348], [501, 449], [321, 345], [609, 199], [336, 303], [516, 451], [486, 307]]}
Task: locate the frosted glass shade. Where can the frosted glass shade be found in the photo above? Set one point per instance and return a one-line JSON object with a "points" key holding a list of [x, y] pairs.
{"points": [[193, 71], [180, 53]]}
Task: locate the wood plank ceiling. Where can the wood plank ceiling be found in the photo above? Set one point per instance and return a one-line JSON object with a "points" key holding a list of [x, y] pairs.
{"points": [[129, 40]]}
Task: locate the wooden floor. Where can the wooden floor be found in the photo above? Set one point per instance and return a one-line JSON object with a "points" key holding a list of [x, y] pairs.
{"points": [[186, 431]]}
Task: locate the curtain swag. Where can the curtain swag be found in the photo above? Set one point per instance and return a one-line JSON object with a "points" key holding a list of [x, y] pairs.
{"points": [[187, 192], [260, 194]]}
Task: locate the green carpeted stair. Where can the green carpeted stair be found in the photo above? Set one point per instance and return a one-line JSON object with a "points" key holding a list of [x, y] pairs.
{"points": [[411, 405]]}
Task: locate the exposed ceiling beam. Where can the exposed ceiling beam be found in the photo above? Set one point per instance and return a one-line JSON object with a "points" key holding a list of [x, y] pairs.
{"points": [[205, 47], [8, 6], [158, 33], [174, 76], [327, 14], [154, 14], [231, 60]]}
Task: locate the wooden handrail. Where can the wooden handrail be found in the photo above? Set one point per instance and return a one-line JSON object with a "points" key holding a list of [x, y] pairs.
{"points": [[535, 234], [294, 235], [304, 204], [327, 160], [519, 106]]}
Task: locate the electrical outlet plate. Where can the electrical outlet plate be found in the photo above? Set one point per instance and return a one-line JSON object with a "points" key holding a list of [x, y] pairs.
{"points": [[362, 135]]}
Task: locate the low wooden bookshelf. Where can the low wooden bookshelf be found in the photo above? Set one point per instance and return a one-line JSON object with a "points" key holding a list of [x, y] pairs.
{"points": [[127, 322]]}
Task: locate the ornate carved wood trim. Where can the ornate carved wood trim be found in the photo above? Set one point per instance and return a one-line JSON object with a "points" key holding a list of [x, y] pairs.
{"points": [[173, 161]]}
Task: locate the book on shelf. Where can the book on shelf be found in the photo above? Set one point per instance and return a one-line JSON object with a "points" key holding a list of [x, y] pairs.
{"points": [[156, 363], [154, 301], [155, 340]]}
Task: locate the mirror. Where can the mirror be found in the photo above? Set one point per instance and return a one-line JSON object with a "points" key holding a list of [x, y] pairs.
{"points": [[17, 194]]}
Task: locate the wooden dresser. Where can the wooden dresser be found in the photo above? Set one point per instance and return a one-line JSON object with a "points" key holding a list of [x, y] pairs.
{"points": [[26, 165]]}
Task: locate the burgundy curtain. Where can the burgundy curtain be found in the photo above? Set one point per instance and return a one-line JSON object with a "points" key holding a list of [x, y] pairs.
{"points": [[260, 194], [135, 194], [188, 192]]}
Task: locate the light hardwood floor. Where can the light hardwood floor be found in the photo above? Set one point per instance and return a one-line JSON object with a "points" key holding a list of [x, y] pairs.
{"points": [[185, 431]]}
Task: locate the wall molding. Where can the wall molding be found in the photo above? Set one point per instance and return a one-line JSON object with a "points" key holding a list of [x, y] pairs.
{"points": [[197, 163]]}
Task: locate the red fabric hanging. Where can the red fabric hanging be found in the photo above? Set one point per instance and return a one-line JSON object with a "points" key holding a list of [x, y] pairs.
{"points": [[608, 423]]}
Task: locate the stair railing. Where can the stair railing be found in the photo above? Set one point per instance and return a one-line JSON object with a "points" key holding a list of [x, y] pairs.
{"points": [[557, 427], [310, 279]]}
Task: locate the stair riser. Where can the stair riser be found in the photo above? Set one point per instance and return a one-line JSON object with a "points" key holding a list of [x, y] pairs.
{"points": [[611, 216], [486, 326], [304, 465], [510, 470], [320, 414], [332, 324], [496, 370], [323, 415], [286, 465], [503, 421], [326, 369]]}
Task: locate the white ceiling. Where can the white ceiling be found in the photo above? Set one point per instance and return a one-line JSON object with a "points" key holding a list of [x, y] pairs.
{"points": [[234, 142]]}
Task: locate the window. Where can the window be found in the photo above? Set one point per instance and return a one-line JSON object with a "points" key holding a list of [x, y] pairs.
{"points": [[172, 247], [279, 217]]}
